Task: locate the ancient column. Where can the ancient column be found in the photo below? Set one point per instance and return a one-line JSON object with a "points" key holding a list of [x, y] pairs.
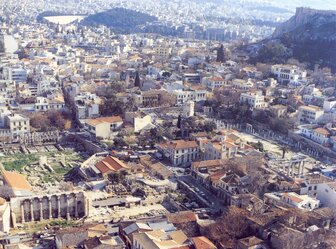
{"points": [[41, 210], [299, 168], [31, 210], [50, 208], [58, 206], [67, 208], [22, 213], [76, 207]]}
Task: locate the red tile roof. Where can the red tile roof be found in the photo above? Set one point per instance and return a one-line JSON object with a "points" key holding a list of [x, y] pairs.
{"points": [[202, 242], [110, 164]]}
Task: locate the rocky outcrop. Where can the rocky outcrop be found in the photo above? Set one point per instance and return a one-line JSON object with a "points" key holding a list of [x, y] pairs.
{"points": [[305, 19]]}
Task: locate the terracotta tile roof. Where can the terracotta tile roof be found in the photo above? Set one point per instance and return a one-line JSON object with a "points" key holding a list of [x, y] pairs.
{"points": [[110, 164], [181, 217], [310, 108], [202, 242], [16, 181], [96, 121], [322, 131], [180, 144], [293, 197], [217, 176], [216, 79]]}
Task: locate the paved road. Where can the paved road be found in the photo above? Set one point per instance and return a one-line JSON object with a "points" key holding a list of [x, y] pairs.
{"points": [[212, 200]]}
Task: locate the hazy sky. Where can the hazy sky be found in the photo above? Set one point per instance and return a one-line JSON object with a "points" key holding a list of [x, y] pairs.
{"points": [[317, 4]]}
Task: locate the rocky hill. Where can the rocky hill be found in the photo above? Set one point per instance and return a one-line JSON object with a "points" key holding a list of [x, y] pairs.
{"points": [[120, 20], [309, 36], [309, 24]]}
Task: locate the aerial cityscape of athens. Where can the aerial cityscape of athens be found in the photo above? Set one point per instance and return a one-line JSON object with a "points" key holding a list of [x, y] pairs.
{"points": [[167, 124]]}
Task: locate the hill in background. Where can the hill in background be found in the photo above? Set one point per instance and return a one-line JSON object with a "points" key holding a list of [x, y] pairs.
{"points": [[120, 20], [309, 36]]}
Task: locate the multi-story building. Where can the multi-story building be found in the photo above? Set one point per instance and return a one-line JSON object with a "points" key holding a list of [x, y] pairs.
{"points": [[310, 114], [180, 152], [242, 84], [87, 105], [105, 127], [319, 135], [292, 199], [214, 82], [17, 124], [288, 73], [183, 96], [254, 100], [15, 74], [219, 150], [163, 51], [45, 104]]}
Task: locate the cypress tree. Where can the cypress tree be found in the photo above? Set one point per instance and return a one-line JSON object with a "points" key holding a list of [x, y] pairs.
{"points": [[220, 54], [137, 80]]}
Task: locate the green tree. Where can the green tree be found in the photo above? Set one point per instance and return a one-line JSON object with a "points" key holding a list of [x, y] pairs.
{"points": [[220, 54]]}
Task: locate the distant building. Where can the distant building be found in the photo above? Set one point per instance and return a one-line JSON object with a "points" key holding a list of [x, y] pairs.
{"points": [[163, 51], [288, 73]]}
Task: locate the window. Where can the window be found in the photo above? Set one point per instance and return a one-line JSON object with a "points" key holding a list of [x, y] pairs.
{"points": [[315, 187]]}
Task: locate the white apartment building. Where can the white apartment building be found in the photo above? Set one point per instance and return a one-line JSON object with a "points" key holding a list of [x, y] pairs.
{"points": [[318, 135], [293, 199], [45, 104], [288, 73], [105, 127], [87, 105], [17, 124], [310, 114], [322, 188], [254, 100], [329, 104], [139, 120], [15, 74], [183, 96], [242, 84], [214, 82], [180, 152]]}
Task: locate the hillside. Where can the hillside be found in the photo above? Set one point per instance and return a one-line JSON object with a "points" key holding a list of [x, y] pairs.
{"points": [[120, 20], [309, 24], [310, 36]]}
